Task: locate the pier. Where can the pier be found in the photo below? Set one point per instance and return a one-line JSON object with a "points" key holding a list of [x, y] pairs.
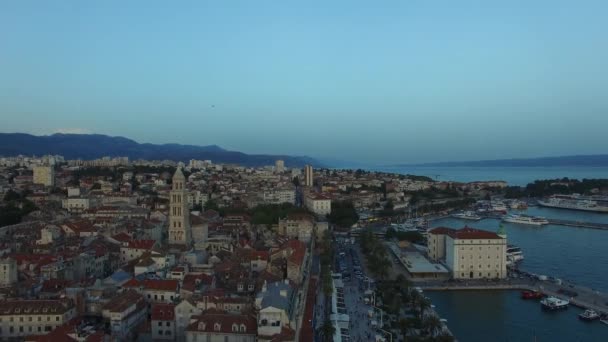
{"points": [[579, 224], [567, 223], [579, 296]]}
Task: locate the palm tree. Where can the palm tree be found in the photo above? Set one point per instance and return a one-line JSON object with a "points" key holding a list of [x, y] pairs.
{"points": [[432, 324], [404, 326], [444, 337], [423, 305], [328, 330]]}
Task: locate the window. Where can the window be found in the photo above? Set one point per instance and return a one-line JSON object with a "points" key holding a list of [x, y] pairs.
{"points": [[168, 324], [160, 324]]}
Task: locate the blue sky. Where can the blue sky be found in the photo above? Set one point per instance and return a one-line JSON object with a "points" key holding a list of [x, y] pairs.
{"points": [[378, 82]]}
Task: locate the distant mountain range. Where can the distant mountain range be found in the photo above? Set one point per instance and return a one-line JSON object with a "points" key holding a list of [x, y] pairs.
{"points": [[598, 160], [92, 146]]}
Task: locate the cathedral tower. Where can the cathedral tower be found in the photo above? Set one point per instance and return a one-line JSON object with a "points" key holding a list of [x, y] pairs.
{"points": [[180, 232]]}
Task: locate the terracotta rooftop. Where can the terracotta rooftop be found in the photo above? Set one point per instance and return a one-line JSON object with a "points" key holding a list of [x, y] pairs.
{"points": [[466, 233], [224, 323], [163, 312], [29, 307], [142, 244]]}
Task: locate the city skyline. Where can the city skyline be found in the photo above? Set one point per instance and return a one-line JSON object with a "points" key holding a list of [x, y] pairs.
{"points": [[407, 83]]}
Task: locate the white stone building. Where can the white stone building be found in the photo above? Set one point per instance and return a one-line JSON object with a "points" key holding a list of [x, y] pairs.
{"points": [[470, 253]]}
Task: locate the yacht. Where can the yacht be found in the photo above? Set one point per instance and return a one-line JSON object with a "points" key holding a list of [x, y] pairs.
{"points": [[554, 303], [498, 206], [518, 205], [589, 315], [467, 215], [523, 219], [514, 255], [574, 202]]}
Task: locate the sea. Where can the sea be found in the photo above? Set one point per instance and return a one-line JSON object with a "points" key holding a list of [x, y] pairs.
{"points": [[579, 255]]}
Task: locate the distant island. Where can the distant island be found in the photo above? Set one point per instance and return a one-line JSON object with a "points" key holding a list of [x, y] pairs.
{"points": [[92, 146], [598, 160]]}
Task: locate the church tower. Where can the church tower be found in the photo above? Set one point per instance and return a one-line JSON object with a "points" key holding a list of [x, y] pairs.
{"points": [[180, 232]]}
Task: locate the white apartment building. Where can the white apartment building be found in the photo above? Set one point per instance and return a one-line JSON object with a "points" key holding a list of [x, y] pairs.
{"points": [[21, 318], [279, 196], [318, 204], [470, 253], [76, 204]]}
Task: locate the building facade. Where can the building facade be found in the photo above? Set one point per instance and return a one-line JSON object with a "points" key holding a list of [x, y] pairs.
{"points": [[8, 271], [20, 318], [44, 175]]}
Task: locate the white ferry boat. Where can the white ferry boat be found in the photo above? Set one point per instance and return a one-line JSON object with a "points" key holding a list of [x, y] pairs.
{"points": [[554, 303], [514, 255], [467, 215], [573, 202], [523, 219]]}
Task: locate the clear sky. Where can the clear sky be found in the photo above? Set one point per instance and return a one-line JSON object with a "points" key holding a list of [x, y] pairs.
{"points": [[374, 81]]}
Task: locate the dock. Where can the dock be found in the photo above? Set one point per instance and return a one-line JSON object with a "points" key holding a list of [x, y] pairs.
{"points": [[567, 223], [579, 224], [579, 296]]}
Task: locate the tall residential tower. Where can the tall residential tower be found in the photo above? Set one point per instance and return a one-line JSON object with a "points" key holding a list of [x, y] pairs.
{"points": [[308, 175]]}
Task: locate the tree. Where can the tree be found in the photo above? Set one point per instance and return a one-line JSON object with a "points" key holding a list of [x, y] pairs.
{"points": [[296, 181], [11, 196], [328, 330], [432, 325], [343, 214], [211, 205]]}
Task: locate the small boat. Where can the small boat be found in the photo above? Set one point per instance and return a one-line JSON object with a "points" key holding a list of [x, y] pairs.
{"points": [[467, 215], [554, 303], [531, 295], [589, 315]]}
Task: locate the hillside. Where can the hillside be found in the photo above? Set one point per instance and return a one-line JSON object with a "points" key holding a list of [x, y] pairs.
{"points": [[91, 146]]}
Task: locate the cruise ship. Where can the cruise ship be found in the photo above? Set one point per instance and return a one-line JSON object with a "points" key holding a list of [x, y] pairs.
{"points": [[523, 219], [574, 202]]}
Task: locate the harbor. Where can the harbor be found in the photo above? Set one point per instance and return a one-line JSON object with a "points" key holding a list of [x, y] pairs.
{"points": [[574, 256]]}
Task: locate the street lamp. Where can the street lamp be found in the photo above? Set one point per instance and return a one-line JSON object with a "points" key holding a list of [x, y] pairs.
{"points": [[390, 335]]}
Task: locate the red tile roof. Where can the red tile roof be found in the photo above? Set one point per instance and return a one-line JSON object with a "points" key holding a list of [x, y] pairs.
{"points": [[142, 244], [163, 312], [223, 323], [466, 233], [122, 237], [161, 285]]}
